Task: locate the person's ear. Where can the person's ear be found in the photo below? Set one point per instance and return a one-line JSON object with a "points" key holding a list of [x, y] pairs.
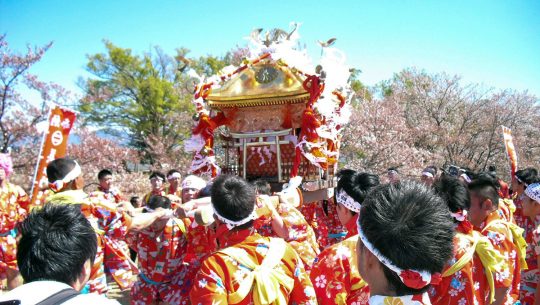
{"points": [[487, 204], [78, 183], [84, 277], [372, 262]]}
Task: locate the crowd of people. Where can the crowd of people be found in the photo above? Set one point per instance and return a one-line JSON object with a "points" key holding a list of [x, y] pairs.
{"points": [[450, 236]]}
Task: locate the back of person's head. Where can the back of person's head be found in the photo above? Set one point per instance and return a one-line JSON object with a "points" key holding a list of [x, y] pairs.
{"points": [[206, 191], [486, 186], [103, 173], [411, 227], [56, 241], [430, 170], [454, 193], [158, 175], [492, 169], [527, 175], [58, 169], [433, 167], [262, 187], [356, 184], [157, 201], [233, 197]]}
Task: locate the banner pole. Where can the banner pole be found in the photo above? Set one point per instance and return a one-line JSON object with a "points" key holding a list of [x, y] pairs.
{"points": [[34, 182]]}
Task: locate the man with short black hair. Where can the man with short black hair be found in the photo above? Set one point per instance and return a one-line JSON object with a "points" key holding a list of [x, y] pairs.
{"points": [[156, 181], [520, 181], [66, 183], [404, 240], [335, 273], [161, 247], [469, 276], [393, 175], [56, 253], [250, 268], [174, 178], [106, 190], [505, 236], [429, 175]]}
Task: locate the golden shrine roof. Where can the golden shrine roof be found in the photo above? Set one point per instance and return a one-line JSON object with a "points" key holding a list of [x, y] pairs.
{"points": [[266, 83]]}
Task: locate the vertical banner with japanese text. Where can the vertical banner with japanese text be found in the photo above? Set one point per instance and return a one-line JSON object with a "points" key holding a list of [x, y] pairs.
{"points": [[54, 144], [510, 149]]}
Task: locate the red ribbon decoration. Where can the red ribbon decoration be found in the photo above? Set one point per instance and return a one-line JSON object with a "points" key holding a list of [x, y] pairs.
{"points": [[310, 123]]}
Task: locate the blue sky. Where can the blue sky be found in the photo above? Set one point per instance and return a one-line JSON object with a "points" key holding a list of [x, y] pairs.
{"points": [[496, 43]]}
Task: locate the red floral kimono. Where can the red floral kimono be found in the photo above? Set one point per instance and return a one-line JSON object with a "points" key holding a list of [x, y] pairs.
{"points": [[336, 278], [531, 276], [460, 283], [161, 256], [250, 270], [13, 200], [301, 236], [496, 229], [326, 224]]}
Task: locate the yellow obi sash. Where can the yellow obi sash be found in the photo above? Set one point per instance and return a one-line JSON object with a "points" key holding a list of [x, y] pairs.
{"points": [[491, 259], [517, 239], [264, 278]]}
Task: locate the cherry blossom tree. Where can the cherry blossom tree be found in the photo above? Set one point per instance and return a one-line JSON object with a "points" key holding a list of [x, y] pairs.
{"points": [[20, 113]]}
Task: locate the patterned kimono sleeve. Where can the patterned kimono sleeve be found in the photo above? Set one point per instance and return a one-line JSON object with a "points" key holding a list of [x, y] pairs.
{"points": [[323, 276], [208, 287], [295, 222], [506, 248], [132, 239], [113, 222], [303, 292], [23, 200], [536, 241]]}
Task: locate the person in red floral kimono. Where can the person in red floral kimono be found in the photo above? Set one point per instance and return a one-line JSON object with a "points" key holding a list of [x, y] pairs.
{"points": [[460, 283], [529, 293], [161, 247], [13, 204], [174, 178], [505, 236], [405, 236], [156, 181], [111, 225], [335, 274], [248, 268], [106, 190], [520, 181], [286, 222]]}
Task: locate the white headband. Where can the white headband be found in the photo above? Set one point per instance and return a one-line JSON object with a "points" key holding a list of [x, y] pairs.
{"points": [[168, 212], [59, 184], [533, 192], [174, 175], [521, 181], [466, 178], [193, 182], [231, 223], [460, 215], [427, 174], [411, 278], [351, 204]]}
